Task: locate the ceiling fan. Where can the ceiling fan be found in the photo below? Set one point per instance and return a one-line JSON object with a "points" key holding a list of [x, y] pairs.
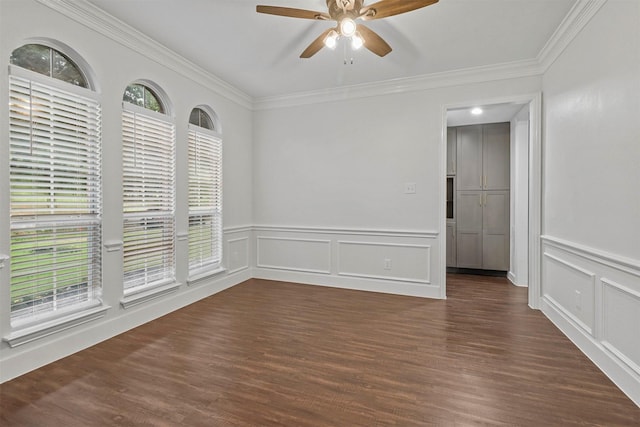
{"points": [[345, 13]]}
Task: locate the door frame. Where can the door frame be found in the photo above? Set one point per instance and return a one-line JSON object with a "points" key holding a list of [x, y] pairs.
{"points": [[534, 100]]}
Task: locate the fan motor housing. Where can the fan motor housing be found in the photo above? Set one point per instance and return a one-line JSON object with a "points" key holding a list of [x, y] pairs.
{"points": [[344, 8]]}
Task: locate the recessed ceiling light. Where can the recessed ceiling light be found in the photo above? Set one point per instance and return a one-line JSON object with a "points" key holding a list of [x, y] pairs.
{"points": [[476, 111]]}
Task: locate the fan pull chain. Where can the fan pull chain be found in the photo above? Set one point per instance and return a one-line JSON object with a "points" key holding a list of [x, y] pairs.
{"points": [[347, 61]]}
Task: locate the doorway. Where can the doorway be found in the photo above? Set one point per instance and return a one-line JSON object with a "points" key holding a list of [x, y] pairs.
{"points": [[523, 113]]}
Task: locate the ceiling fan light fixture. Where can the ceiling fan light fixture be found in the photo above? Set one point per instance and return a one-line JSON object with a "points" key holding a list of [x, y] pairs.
{"points": [[347, 27], [344, 13], [331, 40], [356, 41]]}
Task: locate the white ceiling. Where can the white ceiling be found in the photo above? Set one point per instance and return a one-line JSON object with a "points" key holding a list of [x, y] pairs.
{"points": [[259, 54], [494, 113]]}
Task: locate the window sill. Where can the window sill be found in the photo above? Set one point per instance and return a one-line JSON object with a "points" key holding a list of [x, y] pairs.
{"points": [[140, 297], [26, 334], [200, 275]]}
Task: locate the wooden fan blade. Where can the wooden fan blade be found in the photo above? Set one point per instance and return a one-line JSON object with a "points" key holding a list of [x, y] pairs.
{"points": [[316, 45], [385, 8], [293, 13], [373, 41]]}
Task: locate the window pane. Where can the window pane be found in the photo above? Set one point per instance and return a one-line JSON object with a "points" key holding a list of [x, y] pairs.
{"points": [[53, 268], [205, 120], [205, 200], [134, 94], [151, 101], [148, 250], [142, 96], [54, 140], [33, 57], [148, 199], [65, 70], [200, 118], [194, 117]]}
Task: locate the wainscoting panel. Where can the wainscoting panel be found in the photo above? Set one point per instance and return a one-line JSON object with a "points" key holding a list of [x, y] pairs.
{"points": [[621, 321], [571, 290], [390, 261], [238, 254], [594, 298], [296, 254]]}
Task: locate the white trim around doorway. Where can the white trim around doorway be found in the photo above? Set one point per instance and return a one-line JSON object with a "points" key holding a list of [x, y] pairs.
{"points": [[534, 101]]}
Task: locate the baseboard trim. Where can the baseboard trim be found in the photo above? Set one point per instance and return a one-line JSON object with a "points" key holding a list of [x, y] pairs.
{"points": [[622, 376], [514, 281], [353, 283]]}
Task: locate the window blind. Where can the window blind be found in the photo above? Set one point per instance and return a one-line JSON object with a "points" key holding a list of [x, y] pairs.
{"points": [[205, 199], [148, 198], [55, 201]]}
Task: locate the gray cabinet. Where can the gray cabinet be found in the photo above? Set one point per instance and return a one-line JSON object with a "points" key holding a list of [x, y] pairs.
{"points": [[482, 197], [495, 230], [482, 230], [496, 156], [469, 158], [469, 229], [482, 157]]}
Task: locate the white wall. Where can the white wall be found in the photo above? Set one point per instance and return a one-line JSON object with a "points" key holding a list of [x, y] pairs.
{"points": [[341, 166], [115, 66], [591, 217], [324, 185], [519, 239]]}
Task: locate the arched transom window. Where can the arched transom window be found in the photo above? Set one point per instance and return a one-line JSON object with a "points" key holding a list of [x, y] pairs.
{"points": [[49, 62], [142, 96]]}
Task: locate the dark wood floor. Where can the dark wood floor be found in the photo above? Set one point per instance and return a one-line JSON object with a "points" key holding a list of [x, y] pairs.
{"points": [[270, 353]]}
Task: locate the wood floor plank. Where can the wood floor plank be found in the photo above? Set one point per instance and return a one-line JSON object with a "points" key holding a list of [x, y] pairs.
{"points": [[268, 353]]}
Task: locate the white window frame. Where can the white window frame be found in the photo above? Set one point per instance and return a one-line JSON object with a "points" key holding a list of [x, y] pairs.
{"points": [[142, 285], [64, 310], [202, 141]]}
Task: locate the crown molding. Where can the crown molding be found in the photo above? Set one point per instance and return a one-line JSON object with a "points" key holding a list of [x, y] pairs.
{"points": [[510, 70], [579, 15], [96, 19]]}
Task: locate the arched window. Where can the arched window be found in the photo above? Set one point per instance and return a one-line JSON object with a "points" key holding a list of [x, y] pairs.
{"points": [[201, 119], [49, 62], [148, 189], [205, 193], [142, 96], [55, 204]]}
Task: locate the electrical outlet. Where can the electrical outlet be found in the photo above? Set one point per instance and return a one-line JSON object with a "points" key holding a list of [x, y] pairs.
{"points": [[410, 188], [578, 301], [387, 264]]}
